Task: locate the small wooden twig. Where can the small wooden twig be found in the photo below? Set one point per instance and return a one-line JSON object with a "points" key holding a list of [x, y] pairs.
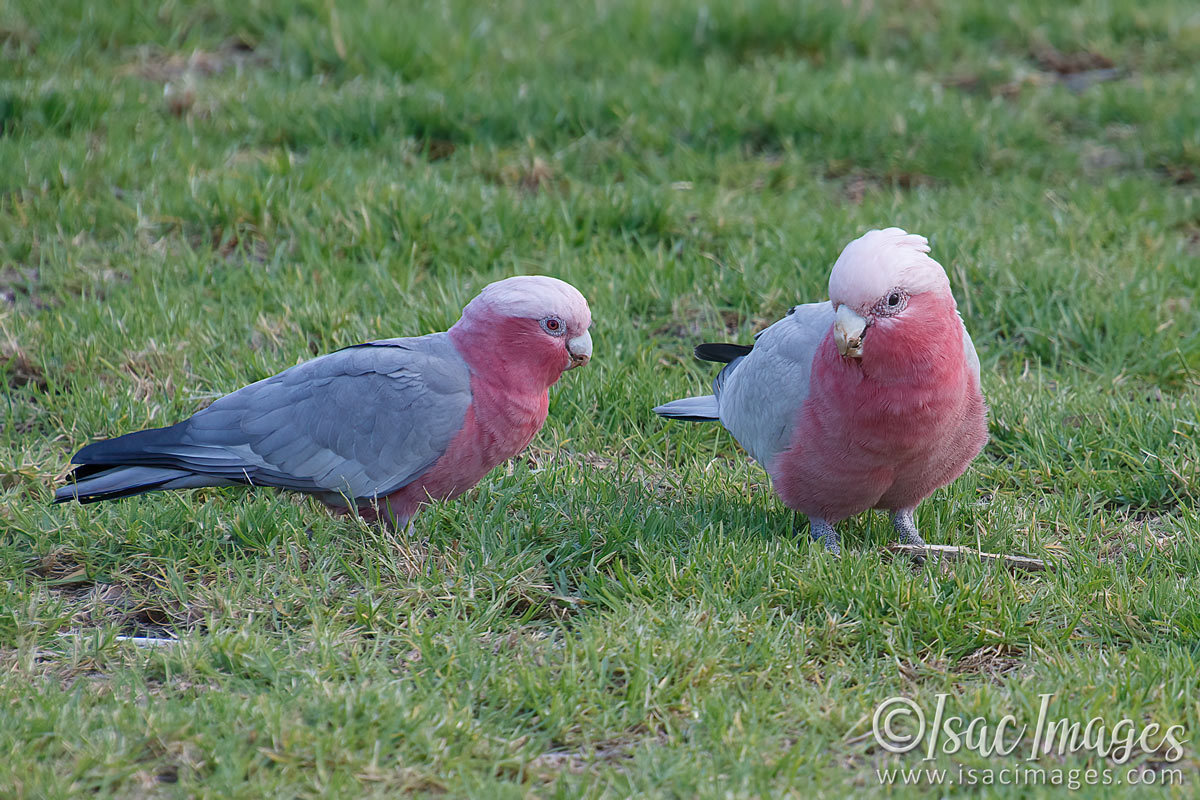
{"points": [[956, 553], [148, 641], [138, 641]]}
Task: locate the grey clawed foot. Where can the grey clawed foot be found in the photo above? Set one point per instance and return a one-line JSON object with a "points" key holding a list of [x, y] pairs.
{"points": [[822, 531], [905, 524]]}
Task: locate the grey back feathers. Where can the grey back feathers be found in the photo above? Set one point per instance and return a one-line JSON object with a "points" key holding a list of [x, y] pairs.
{"points": [[756, 396], [359, 423], [760, 393]]}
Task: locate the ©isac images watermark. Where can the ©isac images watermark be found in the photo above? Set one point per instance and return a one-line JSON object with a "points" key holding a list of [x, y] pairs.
{"points": [[901, 725]]}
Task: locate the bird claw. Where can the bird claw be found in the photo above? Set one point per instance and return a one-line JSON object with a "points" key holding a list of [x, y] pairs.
{"points": [[905, 524], [822, 531]]}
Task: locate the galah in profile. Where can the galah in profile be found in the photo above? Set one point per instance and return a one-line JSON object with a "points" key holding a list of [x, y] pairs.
{"points": [[869, 400], [381, 427]]}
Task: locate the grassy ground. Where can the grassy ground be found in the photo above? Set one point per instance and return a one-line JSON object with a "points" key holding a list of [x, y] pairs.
{"points": [[196, 195]]}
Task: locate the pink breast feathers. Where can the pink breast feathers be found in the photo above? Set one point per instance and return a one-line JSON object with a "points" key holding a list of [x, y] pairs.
{"points": [[886, 430]]}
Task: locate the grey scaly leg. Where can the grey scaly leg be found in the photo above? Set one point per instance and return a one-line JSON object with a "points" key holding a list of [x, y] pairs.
{"points": [[906, 526], [822, 531]]}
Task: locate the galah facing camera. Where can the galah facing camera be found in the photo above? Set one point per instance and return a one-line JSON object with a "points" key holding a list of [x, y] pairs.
{"points": [[381, 427], [869, 400]]}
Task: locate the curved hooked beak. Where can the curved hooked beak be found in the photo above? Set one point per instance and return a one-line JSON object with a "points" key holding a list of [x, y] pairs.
{"points": [[848, 331], [580, 350]]}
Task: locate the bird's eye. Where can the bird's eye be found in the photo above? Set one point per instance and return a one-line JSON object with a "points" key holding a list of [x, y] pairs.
{"points": [[554, 326], [891, 303]]}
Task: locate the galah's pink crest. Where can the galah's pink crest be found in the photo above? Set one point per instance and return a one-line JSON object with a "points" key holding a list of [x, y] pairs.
{"points": [[869, 400], [381, 427]]}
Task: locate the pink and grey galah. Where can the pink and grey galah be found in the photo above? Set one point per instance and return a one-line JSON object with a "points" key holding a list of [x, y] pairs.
{"points": [[382, 427], [869, 400]]}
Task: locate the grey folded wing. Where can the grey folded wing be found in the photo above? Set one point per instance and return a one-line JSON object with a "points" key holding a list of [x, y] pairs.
{"points": [[761, 393], [361, 423]]}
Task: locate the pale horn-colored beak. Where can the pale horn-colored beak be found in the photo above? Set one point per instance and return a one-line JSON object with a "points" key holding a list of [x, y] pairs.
{"points": [[580, 350], [848, 331]]}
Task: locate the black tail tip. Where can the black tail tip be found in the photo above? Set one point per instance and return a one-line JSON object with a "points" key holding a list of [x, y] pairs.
{"points": [[66, 493], [721, 352]]}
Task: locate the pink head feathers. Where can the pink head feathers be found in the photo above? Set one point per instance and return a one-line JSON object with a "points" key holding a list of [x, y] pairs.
{"points": [[881, 280], [880, 262], [534, 297], [525, 330]]}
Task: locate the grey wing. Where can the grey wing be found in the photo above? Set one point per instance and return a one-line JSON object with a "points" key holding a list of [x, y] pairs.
{"points": [[361, 422], [760, 394]]}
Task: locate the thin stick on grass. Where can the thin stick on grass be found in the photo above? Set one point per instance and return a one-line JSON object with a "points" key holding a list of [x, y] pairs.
{"points": [[148, 641], [957, 553], [138, 641]]}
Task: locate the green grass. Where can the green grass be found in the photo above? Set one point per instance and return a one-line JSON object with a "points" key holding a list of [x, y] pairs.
{"points": [[196, 195]]}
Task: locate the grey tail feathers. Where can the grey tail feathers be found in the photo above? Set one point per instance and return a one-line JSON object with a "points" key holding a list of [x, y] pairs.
{"points": [[691, 409], [125, 466], [705, 407], [114, 482]]}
